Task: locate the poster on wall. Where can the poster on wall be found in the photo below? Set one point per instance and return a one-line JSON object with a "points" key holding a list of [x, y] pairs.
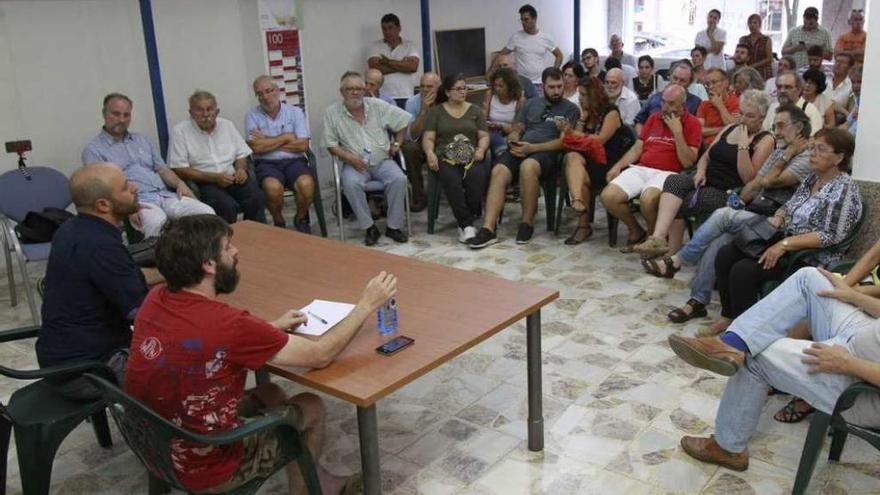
{"points": [[279, 24]]}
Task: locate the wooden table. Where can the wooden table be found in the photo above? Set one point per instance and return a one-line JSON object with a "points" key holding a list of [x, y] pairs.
{"points": [[445, 310]]}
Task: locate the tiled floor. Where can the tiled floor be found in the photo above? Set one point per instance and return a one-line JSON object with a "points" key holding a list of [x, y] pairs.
{"points": [[616, 400]]}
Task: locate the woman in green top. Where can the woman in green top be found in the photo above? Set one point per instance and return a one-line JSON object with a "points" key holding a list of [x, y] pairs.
{"points": [[455, 141]]}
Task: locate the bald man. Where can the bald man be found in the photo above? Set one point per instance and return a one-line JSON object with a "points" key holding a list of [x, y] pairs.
{"points": [[418, 106], [627, 100], [668, 143], [93, 287], [374, 80]]}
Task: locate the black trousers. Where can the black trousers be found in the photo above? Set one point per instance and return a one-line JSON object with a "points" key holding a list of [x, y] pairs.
{"points": [[740, 278], [464, 192], [226, 201]]}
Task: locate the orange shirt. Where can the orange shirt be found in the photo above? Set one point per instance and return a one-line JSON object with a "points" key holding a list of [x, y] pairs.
{"points": [[712, 117], [849, 42]]}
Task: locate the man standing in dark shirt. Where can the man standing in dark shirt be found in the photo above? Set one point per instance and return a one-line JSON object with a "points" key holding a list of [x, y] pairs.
{"points": [[93, 287]]}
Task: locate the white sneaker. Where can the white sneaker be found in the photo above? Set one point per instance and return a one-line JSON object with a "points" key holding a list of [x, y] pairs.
{"points": [[466, 234]]}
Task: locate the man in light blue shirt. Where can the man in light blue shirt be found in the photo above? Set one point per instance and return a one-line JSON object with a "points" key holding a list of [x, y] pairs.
{"points": [[356, 132], [417, 106], [278, 134], [143, 166]]}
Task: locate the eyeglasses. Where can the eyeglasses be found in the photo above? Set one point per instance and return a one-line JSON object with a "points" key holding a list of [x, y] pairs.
{"points": [[779, 126], [354, 89], [458, 88], [819, 148]]}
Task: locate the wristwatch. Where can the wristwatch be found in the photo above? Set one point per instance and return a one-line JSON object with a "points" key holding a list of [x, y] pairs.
{"points": [[742, 148]]}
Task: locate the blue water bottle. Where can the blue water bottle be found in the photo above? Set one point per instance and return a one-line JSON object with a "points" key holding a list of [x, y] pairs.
{"points": [[734, 201], [386, 317]]}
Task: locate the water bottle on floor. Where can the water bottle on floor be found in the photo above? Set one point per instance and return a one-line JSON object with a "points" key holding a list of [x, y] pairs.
{"points": [[386, 317]]}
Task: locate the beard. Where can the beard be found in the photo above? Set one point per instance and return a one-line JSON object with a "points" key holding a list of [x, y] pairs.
{"points": [[123, 210], [226, 278], [783, 99], [615, 95], [553, 99]]}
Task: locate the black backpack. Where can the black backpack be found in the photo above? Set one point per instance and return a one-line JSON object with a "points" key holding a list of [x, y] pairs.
{"points": [[40, 226]]}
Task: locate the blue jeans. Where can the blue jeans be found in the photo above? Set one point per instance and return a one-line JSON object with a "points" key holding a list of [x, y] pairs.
{"points": [[713, 234], [497, 142], [775, 360]]}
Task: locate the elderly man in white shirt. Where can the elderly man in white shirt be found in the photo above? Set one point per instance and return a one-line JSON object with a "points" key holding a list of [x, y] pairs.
{"points": [[627, 100], [210, 152]]}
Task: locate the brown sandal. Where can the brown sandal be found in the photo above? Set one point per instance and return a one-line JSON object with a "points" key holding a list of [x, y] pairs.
{"points": [[652, 266], [794, 411], [678, 315]]}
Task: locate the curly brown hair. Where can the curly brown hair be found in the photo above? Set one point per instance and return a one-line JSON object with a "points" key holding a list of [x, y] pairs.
{"points": [[598, 103]]}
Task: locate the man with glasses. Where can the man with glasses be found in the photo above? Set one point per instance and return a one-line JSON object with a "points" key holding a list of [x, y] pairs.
{"points": [[682, 75], [853, 41], [789, 87], [625, 99], [531, 46], [208, 150], [278, 133], [590, 61], [722, 107], [356, 131]]}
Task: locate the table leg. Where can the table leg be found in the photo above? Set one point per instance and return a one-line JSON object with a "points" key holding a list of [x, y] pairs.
{"points": [[368, 431], [533, 358]]}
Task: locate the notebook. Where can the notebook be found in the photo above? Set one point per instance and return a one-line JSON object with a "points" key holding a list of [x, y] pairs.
{"points": [[329, 311]]}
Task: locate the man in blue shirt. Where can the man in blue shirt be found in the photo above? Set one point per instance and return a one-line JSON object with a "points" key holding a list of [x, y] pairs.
{"points": [[142, 164], [681, 74], [93, 287], [279, 136]]}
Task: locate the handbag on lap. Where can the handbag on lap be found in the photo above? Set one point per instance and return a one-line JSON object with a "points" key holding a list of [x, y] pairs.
{"points": [[756, 236]]}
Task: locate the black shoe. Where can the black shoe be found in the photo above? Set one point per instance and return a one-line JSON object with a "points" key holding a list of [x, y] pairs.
{"points": [[524, 233], [418, 206], [484, 237], [303, 225], [396, 235], [372, 236]]}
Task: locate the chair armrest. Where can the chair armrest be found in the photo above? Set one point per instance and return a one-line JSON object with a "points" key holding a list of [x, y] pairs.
{"points": [[849, 396], [269, 422], [797, 261], [59, 371], [19, 334], [843, 266]]}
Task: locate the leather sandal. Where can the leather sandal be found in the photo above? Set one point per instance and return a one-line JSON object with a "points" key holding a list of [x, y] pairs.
{"points": [[652, 266], [631, 244], [573, 240], [794, 412], [579, 211], [678, 315]]}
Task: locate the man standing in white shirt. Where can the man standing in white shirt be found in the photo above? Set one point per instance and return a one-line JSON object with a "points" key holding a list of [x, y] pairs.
{"points": [[625, 99], [712, 39], [531, 46], [208, 150], [396, 58]]}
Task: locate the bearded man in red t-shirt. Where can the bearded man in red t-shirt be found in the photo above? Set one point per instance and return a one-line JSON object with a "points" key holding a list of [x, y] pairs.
{"points": [[190, 354]]}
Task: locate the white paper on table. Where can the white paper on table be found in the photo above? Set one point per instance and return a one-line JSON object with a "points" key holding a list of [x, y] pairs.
{"points": [[329, 311]]}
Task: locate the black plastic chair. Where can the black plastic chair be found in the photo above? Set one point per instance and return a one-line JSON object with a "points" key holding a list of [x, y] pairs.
{"points": [[840, 429], [149, 436], [41, 418]]}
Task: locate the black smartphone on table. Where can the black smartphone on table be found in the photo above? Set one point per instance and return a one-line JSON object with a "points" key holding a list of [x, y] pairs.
{"points": [[394, 345]]}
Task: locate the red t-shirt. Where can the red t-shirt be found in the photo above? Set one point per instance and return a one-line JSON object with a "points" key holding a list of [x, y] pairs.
{"points": [[658, 150], [189, 360], [712, 117]]}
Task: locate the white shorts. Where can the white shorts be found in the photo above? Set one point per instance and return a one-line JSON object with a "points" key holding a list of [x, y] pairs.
{"points": [[636, 179]]}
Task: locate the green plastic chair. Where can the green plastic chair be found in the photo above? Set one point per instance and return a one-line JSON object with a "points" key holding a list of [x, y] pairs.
{"points": [[149, 436], [840, 429], [41, 418]]}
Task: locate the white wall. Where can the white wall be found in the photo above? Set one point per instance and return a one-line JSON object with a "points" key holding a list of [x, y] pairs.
{"points": [[865, 164], [59, 58]]}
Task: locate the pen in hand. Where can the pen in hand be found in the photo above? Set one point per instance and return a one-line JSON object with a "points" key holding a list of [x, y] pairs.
{"points": [[322, 320]]}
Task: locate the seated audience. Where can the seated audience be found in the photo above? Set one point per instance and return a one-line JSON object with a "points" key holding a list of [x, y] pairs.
{"points": [[722, 107], [789, 89], [374, 81], [698, 59], [533, 153], [162, 194], [505, 61], [397, 59], [356, 131], [183, 326], [601, 122], [667, 143], [93, 287], [712, 39], [800, 38], [731, 161], [418, 106], [742, 57], [643, 85], [531, 46], [822, 213], [681, 75], [853, 41], [455, 142], [208, 150], [278, 133], [785, 63], [615, 44], [760, 47], [625, 99], [572, 73], [814, 92], [757, 354], [590, 61], [746, 78], [839, 85], [503, 102], [783, 171]]}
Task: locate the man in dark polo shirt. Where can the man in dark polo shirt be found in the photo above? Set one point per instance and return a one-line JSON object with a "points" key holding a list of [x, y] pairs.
{"points": [[93, 287]]}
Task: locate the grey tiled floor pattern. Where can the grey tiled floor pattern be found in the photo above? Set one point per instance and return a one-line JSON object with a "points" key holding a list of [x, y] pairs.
{"points": [[616, 399]]}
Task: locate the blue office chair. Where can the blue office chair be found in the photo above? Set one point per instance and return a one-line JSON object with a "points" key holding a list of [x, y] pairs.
{"points": [[21, 191]]}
